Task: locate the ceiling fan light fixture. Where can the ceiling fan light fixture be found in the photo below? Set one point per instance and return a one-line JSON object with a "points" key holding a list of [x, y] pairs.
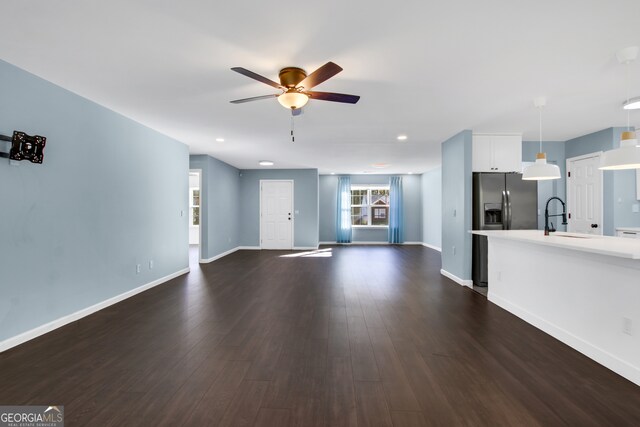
{"points": [[292, 99], [265, 163]]}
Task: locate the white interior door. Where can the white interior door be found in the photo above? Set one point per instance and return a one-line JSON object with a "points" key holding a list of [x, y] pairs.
{"points": [[276, 219], [584, 194]]}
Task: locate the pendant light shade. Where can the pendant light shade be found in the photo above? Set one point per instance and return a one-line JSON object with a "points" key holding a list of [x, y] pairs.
{"points": [[625, 157], [541, 170], [628, 155]]}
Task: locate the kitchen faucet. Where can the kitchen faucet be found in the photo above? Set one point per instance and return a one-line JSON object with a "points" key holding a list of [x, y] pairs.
{"points": [[548, 230]]}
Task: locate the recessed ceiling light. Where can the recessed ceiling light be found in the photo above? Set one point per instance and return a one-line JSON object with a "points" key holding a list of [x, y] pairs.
{"points": [[402, 137], [219, 139], [265, 163], [410, 173], [333, 173], [380, 165]]}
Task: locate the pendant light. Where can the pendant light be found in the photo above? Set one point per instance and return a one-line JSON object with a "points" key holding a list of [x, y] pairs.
{"points": [[541, 170], [628, 155]]}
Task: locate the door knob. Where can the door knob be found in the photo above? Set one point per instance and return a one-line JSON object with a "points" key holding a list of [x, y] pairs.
{"points": [[594, 225]]}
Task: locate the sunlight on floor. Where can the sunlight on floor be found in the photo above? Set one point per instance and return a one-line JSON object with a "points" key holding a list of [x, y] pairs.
{"points": [[320, 253]]}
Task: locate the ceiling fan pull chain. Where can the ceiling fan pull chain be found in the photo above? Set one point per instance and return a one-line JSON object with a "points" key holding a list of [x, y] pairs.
{"points": [[293, 138]]}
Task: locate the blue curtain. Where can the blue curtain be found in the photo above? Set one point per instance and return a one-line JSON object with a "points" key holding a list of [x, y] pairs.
{"points": [[396, 226], [343, 211]]}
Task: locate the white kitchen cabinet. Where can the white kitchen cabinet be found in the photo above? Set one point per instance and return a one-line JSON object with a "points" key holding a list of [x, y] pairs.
{"points": [[496, 153]]}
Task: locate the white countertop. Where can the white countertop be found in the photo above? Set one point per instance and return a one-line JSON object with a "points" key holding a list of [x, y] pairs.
{"points": [[604, 245]]}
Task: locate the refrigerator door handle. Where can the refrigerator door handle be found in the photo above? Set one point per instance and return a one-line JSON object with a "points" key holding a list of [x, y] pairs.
{"points": [[509, 210], [505, 212]]}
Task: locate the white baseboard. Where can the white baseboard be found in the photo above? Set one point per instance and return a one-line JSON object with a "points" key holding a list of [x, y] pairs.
{"points": [[248, 248], [305, 248], [55, 324], [436, 248], [230, 251], [329, 243], [462, 282], [411, 243], [619, 366]]}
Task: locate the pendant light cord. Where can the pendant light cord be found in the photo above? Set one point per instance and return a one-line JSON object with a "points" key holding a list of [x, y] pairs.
{"points": [[540, 117], [627, 88]]}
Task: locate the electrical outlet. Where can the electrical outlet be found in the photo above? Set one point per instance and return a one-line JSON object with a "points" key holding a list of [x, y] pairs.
{"points": [[455, 212], [627, 326], [454, 250], [499, 276], [138, 268], [181, 213], [635, 208], [150, 264]]}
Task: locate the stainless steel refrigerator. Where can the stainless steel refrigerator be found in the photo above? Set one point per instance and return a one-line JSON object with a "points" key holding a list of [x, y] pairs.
{"points": [[501, 201]]}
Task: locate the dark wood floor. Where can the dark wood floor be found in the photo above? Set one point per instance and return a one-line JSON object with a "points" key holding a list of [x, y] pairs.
{"points": [[344, 337]]}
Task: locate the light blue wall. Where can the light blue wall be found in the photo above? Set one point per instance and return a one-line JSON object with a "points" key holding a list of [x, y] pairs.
{"points": [[305, 199], [619, 192], [220, 188], [546, 189], [456, 205], [108, 196], [432, 207], [412, 199]]}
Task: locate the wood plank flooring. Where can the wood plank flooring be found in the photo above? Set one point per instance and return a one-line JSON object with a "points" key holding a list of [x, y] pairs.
{"points": [[347, 336]]}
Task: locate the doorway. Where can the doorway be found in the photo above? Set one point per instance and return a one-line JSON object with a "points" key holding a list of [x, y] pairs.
{"points": [[584, 194], [276, 219], [195, 200]]}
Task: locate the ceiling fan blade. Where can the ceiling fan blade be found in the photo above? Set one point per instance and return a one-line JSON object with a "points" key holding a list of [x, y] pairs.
{"points": [[257, 77], [255, 98], [334, 97], [296, 112], [320, 75]]}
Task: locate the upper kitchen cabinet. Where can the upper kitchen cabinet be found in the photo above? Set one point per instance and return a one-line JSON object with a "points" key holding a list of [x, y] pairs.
{"points": [[497, 153]]}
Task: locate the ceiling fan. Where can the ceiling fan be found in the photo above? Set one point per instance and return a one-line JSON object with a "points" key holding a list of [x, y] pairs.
{"points": [[296, 84]]}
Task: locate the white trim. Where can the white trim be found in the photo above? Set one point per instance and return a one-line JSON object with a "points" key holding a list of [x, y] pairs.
{"points": [[461, 282], [248, 248], [293, 209], [435, 248], [598, 354], [373, 243], [55, 324], [409, 243], [225, 253], [328, 243], [305, 248]]}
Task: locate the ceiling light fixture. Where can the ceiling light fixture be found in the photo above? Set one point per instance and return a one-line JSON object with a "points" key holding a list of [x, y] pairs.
{"points": [[632, 104], [628, 155], [219, 139], [402, 137], [541, 170], [265, 163], [292, 99]]}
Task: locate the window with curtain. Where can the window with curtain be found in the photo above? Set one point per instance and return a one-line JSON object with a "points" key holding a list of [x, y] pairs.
{"points": [[343, 211], [396, 223], [370, 206]]}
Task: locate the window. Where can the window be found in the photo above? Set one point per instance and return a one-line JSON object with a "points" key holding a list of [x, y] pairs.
{"points": [[195, 206], [369, 206]]}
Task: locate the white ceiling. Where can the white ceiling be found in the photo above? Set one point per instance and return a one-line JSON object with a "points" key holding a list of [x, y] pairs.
{"points": [[423, 68]]}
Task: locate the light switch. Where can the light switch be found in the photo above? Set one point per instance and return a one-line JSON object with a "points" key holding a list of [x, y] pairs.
{"points": [[635, 208], [455, 212], [297, 212]]}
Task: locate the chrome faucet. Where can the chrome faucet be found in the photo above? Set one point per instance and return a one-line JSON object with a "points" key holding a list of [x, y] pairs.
{"points": [[548, 230]]}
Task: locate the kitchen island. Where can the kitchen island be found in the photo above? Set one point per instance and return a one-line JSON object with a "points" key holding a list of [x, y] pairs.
{"points": [[582, 289]]}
